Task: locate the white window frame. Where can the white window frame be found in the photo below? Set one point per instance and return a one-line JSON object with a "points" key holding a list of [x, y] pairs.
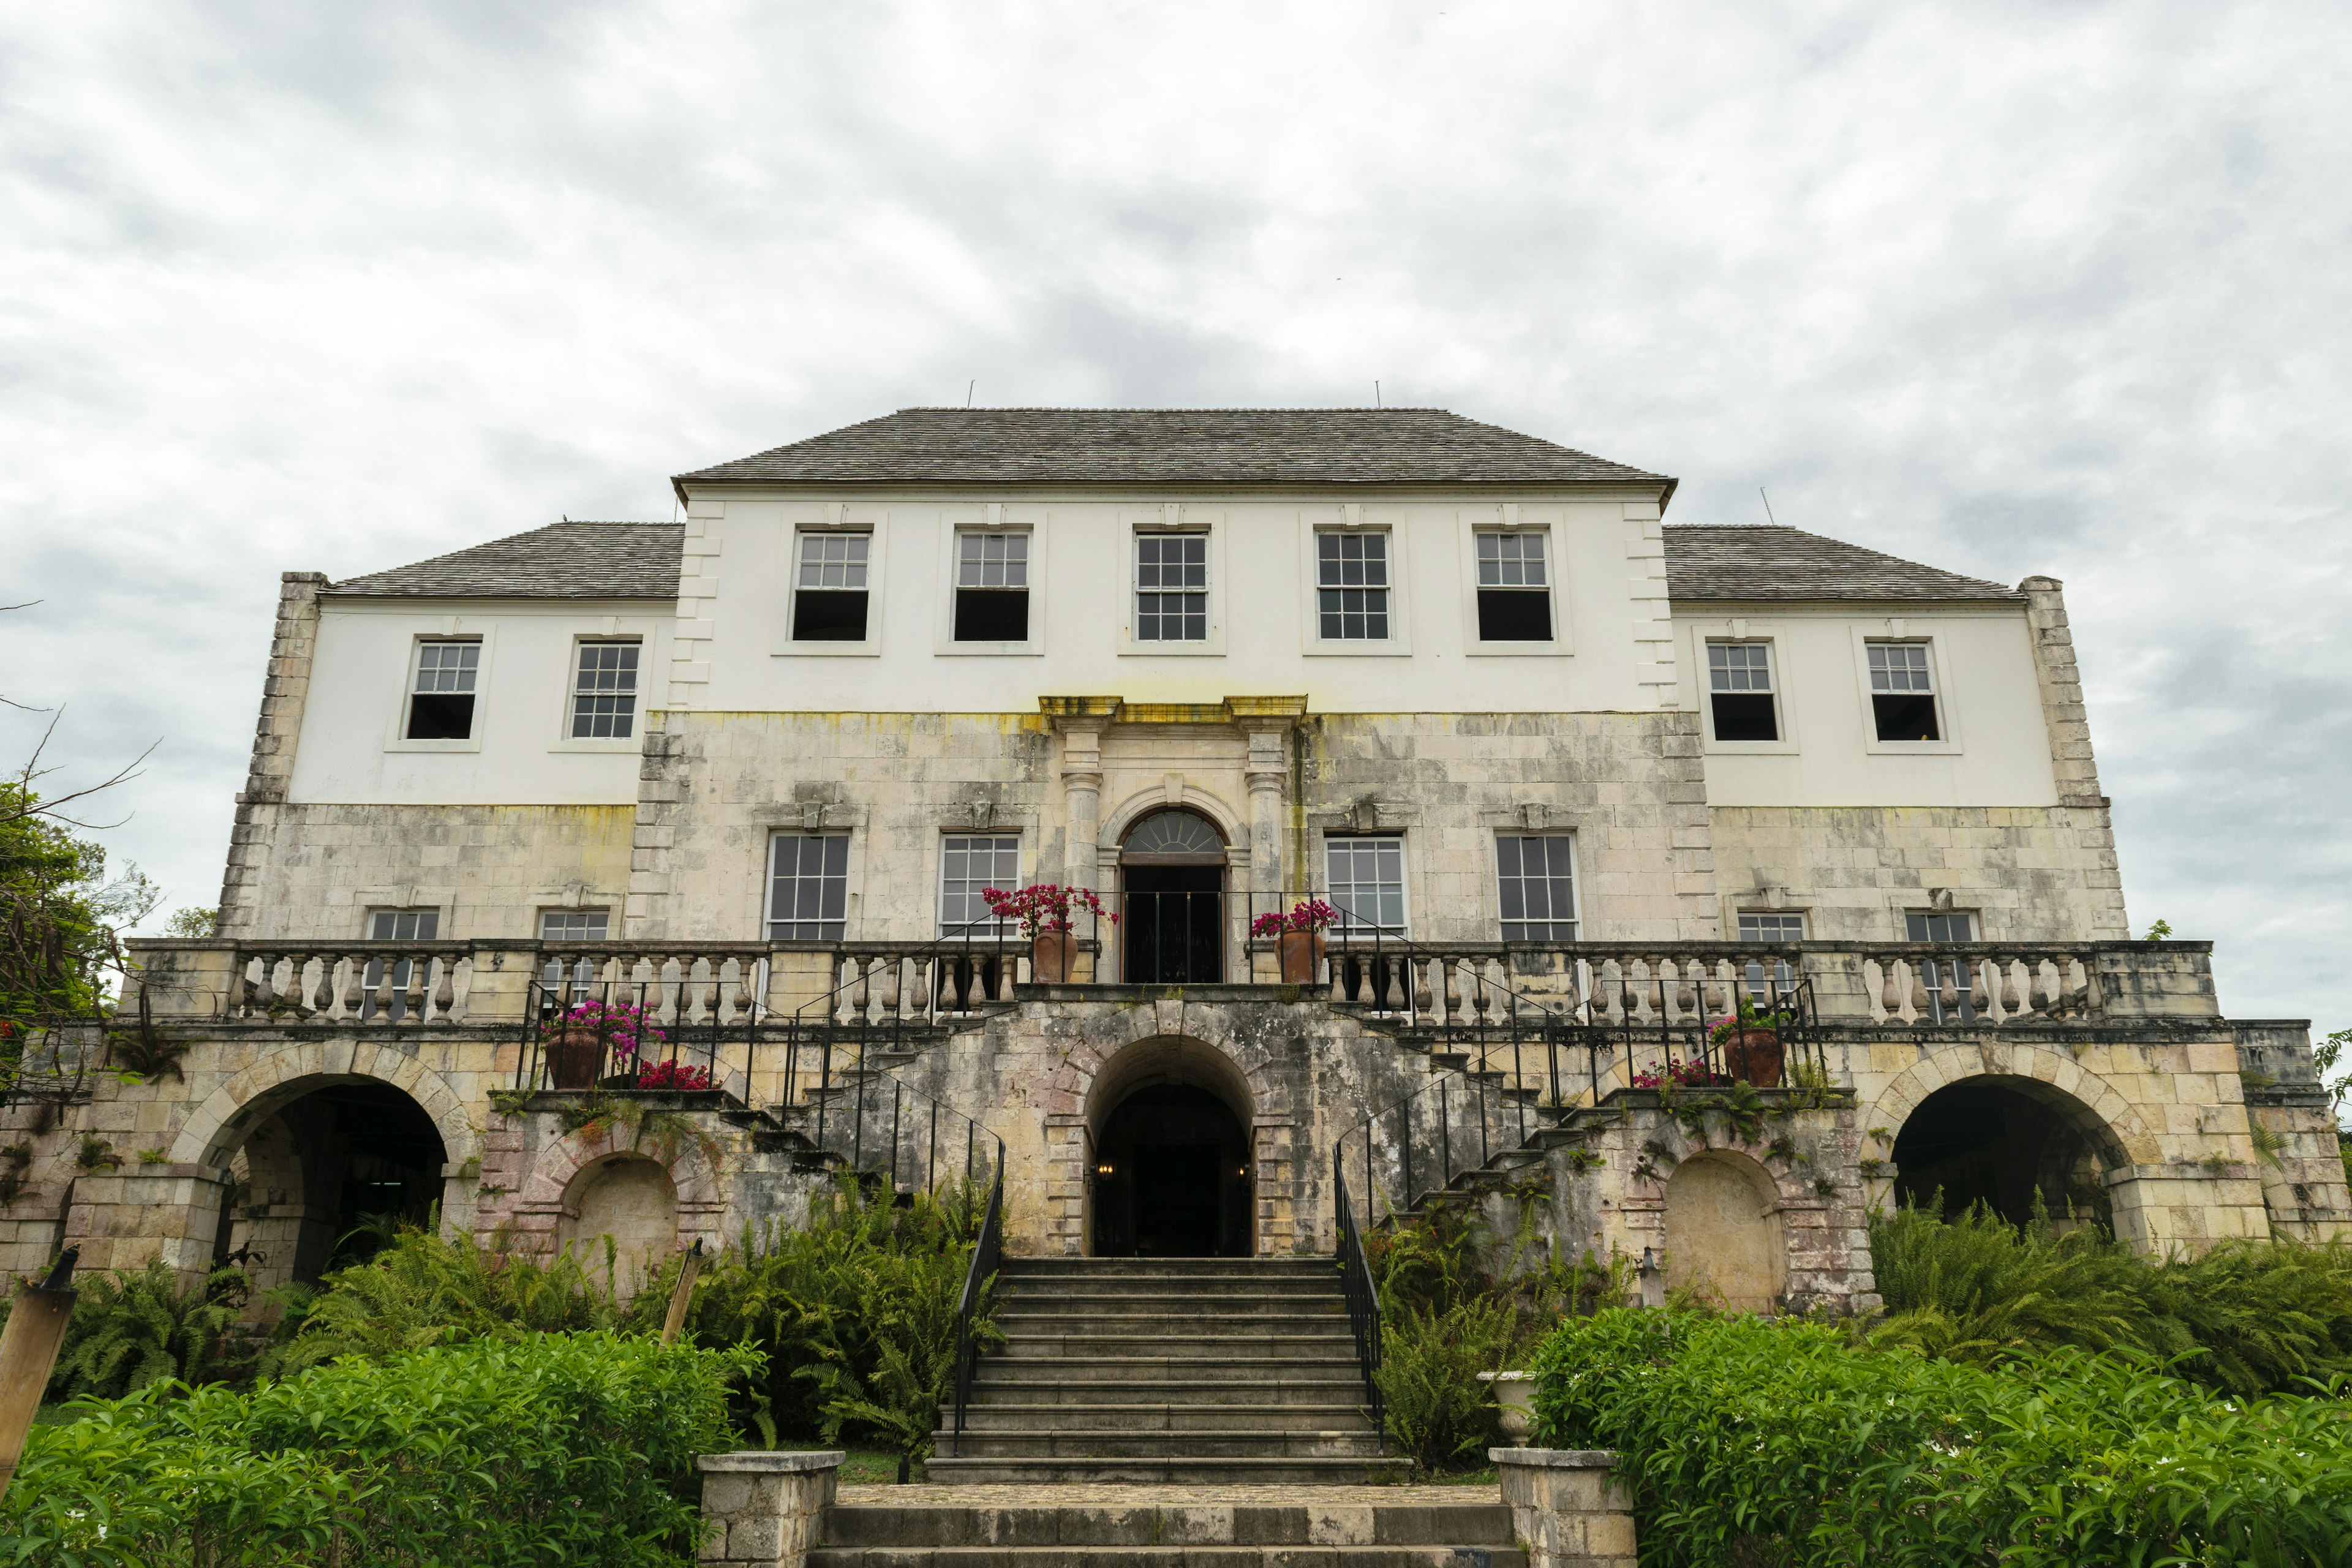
{"points": [[585, 982], [1575, 880], [1776, 668], [1313, 524], [1172, 519], [1340, 929], [1763, 989], [1511, 518], [992, 519], [451, 629], [939, 874], [849, 871], [636, 739], [1947, 716], [838, 519]]}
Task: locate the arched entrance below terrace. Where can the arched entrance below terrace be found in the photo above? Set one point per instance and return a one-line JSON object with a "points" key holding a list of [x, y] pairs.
{"points": [[2008, 1145], [1170, 1172], [323, 1178]]}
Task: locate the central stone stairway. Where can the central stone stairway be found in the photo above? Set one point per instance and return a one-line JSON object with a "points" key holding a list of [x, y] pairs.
{"points": [[1235, 1526], [1192, 1370]]}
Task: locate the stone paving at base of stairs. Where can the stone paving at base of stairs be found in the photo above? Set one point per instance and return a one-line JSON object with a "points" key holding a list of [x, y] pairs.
{"points": [[1097, 1494]]}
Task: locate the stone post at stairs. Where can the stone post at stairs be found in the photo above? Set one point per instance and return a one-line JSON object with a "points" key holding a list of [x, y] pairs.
{"points": [[1566, 1508], [765, 1511]]}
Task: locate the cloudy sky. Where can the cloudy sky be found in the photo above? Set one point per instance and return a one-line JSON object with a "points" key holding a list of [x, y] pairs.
{"points": [[2011, 289]]}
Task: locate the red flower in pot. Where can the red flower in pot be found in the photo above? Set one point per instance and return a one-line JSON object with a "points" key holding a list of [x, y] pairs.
{"points": [[1043, 909]]}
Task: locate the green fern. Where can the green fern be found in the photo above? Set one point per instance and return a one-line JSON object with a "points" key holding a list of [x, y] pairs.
{"points": [[133, 1328]]}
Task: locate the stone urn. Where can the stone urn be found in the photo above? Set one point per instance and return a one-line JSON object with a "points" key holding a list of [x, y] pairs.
{"points": [[1302, 956], [1053, 954], [574, 1055], [1753, 1055], [1515, 1394]]}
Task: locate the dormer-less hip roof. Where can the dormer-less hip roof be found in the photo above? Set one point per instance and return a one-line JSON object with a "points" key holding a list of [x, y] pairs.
{"points": [[1172, 446]]}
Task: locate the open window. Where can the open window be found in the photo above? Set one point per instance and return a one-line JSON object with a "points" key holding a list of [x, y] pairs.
{"points": [[1742, 702], [1902, 692], [1514, 587], [991, 587], [830, 587], [442, 691]]}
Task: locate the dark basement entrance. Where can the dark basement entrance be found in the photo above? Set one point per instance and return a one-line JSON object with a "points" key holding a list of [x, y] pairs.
{"points": [[1171, 1177]]}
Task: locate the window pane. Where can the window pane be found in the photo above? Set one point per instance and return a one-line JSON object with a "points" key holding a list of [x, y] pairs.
{"points": [[1537, 888], [809, 888], [1511, 561], [968, 864], [835, 560], [1927, 925], [1738, 667], [447, 666], [993, 561], [1899, 666], [587, 926], [1366, 878], [404, 925]]}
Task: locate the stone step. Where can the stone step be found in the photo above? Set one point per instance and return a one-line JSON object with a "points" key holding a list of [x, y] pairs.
{"points": [[1108, 1415], [1172, 1268], [1169, 1470], [1161, 1358], [1203, 1324], [1083, 1388], [1259, 1443], [1478, 1556], [1121, 1518], [1171, 1287]]}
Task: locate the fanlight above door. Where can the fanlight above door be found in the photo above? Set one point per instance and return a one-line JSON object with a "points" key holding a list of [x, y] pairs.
{"points": [[1173, 837]]}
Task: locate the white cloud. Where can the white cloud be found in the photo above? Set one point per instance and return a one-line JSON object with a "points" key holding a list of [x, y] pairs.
{"points": [[2009, 288]]}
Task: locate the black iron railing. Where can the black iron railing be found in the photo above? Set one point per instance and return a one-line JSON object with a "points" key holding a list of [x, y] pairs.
{"points": [[1364, 1298], [585, 1033], [987, 1252]]}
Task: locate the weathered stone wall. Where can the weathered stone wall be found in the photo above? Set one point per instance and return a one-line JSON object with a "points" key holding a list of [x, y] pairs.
{"points": [[316, 869], [2299, 1157], [2033, 873]]}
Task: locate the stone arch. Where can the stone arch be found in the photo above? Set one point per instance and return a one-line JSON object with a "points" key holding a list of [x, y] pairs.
{"points": [[2076, 1122], [1121, 819], [629, 1198], [231, 1112], [1724, 1232], [1169, 1059], [550, 1193], [1174, 1159]]}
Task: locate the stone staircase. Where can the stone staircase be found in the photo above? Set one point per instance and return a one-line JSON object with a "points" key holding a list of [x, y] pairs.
{"points": [[1168, 1370], [1246, 1526]]}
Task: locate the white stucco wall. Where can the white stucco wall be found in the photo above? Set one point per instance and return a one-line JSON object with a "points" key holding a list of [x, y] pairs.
{"points": [[1996, 750], [736, 656], [350, 750]]}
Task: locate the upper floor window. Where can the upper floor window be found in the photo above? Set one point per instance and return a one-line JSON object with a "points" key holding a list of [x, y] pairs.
{"points": [[404, 925], [441, 696], [1903, 691], [1514, 588], [1171, 587], [992, 589], [605, 691], [829, 591], [1352, 585], [970, 864], [808, 887], [1537, 879], [1367, 879], [1939, 925], [1743, 703], [1771, 926]]}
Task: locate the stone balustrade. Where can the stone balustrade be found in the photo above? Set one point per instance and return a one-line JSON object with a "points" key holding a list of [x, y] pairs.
{"points": [[1437, 985]]}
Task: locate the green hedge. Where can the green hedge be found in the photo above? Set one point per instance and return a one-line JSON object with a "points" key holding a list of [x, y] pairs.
{"points": [[1762, 1443], [571, 1449]]}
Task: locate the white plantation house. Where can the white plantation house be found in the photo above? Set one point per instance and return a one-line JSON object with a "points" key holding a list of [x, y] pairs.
{"points": [[699, 815]]}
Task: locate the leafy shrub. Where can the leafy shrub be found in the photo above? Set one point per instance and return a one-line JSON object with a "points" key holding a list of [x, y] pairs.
{"points": [[563, 1448], [424, 1289], [133, 1328], [1753, 1442], [2246, 1317], [855, 1314], [1445, 1317]]}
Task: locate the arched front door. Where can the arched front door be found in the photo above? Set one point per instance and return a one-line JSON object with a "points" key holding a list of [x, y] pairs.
{"points": [[1171, 876]]}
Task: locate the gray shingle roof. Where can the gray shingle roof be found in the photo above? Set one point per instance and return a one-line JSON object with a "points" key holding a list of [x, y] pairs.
{"points": [[1171, 446], [561, 561], [1707, 560]]}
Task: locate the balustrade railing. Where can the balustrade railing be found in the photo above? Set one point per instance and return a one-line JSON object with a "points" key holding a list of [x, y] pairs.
{"points": [[1362, 1296], [987, 1256]]}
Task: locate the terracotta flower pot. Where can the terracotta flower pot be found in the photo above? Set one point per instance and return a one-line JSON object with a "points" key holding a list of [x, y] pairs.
{"points": [[1754, 1056], [573, 1057], [1051, 956], [1302, 956]]}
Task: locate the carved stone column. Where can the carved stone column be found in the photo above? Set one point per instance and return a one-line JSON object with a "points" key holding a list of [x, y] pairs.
{"points": [[1081, 803], [1268, 770]]}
